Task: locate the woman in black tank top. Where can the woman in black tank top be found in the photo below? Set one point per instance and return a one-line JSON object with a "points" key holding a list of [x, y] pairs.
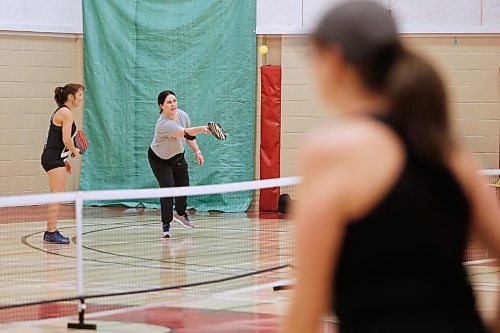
{"points": [[389, 196], [58, 146]]}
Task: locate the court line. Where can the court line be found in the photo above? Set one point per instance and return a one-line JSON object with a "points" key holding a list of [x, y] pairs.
{"points": [[144, 291], [96, 315], [187, 264], [111, 262], [180, 257], [269, 285], [25, 242]]}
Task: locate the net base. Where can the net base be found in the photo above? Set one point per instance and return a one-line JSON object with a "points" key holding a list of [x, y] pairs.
{"points": [[82, 326]]}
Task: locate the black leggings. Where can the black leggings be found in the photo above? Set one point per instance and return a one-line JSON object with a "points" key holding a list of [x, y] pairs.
{"points": [[170, 173]]}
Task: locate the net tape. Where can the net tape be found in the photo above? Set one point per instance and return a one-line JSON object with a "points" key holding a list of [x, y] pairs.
{"points": [[47, 198]]}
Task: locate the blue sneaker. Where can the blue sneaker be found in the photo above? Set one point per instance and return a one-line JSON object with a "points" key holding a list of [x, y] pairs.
{"points": [[62, 234], [55, 237], [166, 231]]}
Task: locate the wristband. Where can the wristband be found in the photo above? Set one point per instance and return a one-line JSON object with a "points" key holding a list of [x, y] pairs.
{"points": [[189, 137]]}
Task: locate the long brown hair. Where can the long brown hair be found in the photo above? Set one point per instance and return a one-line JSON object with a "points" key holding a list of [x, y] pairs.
{"points": [[61, 93], [367, 36]]}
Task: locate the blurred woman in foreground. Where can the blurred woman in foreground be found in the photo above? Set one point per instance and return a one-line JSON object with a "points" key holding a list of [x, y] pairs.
{"points": [[389, 196]]}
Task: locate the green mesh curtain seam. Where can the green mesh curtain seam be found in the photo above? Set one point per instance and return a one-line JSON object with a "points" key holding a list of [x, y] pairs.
{"points": [[202, 50]]}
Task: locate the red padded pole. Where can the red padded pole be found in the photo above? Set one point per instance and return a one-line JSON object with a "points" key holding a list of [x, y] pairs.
{"points": [[270, 136]]}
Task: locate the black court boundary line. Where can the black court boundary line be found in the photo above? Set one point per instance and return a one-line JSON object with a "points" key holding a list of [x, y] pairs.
{"points": [[148, 222], [153, 222], [25, 242], [143, 291], [164, 261], [199, 228], [122, 225], [91, 248], [121, 263]]}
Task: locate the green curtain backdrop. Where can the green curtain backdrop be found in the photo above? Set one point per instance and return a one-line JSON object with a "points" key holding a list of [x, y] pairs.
{"points": [[204, 50]]}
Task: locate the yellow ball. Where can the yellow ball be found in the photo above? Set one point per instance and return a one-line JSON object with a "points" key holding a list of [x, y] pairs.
{"points": [[263, 49]]}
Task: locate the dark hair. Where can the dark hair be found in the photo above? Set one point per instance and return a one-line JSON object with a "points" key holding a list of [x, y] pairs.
{"points": [[367, 36], [163, 95], [61, 93]]}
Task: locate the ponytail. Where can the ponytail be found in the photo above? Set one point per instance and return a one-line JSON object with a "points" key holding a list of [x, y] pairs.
{"points": [[419, 106], [59, 96], [61, 93]]}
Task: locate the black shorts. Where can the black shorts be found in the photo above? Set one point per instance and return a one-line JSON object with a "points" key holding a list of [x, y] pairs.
{"points": [[51, 160]]}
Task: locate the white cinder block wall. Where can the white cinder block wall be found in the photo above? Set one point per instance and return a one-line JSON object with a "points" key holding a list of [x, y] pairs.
{"points": [[32, 66], [470, 66], [30, 69]]}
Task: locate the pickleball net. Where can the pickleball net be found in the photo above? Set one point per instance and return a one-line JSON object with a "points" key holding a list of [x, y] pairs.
{"points": [[493, 179], [117, 259], [476, 253]]}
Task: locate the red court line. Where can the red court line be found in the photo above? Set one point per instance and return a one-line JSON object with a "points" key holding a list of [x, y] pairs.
{"points": [[203, 321]]}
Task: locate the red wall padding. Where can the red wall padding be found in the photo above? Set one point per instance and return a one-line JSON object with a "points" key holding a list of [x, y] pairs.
{"points": [[270, 126]]}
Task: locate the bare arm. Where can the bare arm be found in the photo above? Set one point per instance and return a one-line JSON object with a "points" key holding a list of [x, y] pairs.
{"points": [[485, 208], [318, 238], [67, 124], [486, 224], [486, 215], [197, 151], [193, 131], [194, 146]]}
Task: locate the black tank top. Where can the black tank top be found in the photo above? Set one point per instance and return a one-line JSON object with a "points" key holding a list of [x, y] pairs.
{"points": [[54, 145], [400, 267]]}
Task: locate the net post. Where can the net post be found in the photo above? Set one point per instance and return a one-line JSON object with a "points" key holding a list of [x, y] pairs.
{"points": [[81, 325], [79, 268]]}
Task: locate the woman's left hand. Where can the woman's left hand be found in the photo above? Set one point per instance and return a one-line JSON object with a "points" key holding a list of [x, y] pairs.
{"points": [[200, 159]]}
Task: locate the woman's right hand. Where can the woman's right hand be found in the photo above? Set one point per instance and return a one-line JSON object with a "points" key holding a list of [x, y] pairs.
{"points": [[204, 130], [76, 153]]}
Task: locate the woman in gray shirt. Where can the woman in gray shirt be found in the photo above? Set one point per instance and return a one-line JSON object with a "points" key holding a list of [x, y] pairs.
{"points": [[166, 157]]}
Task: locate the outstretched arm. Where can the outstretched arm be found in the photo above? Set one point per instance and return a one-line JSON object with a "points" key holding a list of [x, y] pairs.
{"points": [[191, 131]]}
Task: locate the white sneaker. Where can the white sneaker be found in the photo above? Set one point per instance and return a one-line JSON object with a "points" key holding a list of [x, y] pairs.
{"points": [[183, 220]]}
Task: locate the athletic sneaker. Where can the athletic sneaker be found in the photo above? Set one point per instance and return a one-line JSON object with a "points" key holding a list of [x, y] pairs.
{"points": [[62, 235], [183, 220], [55, 237], [166, 231]]}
